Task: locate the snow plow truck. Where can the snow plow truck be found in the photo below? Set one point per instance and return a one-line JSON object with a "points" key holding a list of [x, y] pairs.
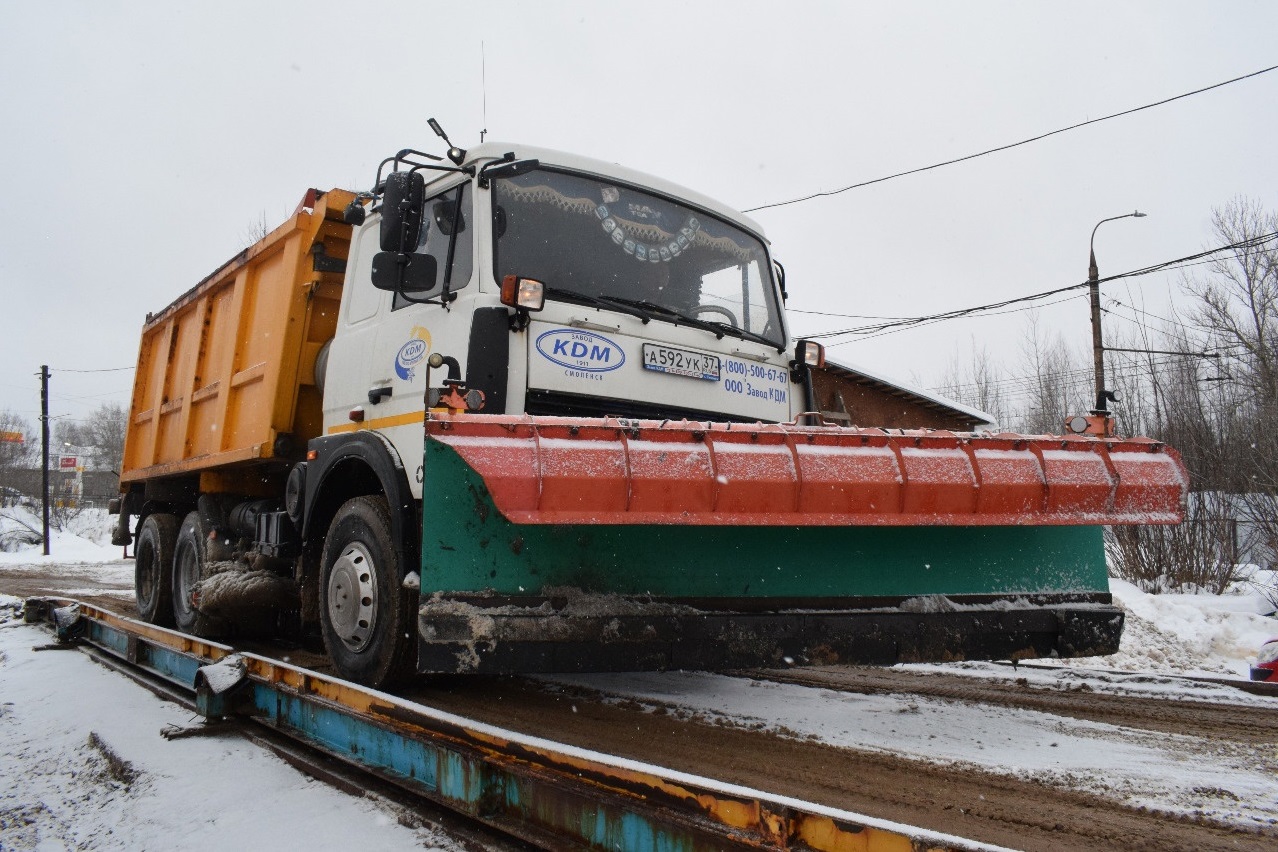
{"points": [[521, 411]]}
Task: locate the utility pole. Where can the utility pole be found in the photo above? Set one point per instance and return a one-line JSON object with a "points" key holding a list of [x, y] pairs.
{"points": [[1103, 394], [44, 442]]}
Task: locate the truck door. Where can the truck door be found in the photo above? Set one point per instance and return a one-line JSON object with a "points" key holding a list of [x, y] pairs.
{"points": [[408, 329]]}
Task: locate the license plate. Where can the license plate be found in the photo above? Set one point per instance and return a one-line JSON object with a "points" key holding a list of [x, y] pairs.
{"points": [[680, 362]]}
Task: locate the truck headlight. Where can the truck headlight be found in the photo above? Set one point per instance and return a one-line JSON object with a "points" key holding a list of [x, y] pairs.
{"points": [[523, 293], [809, 353]]}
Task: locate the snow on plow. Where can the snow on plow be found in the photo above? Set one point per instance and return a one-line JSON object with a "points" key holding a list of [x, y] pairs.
{"points": [[584, 471], [561, 544]]}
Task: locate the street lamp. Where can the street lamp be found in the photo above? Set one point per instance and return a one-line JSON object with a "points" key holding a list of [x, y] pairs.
{"points": [[1103, 395]]}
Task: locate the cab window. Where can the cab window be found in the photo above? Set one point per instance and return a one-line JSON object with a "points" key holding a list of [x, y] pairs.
{"points": [[447, 223]]}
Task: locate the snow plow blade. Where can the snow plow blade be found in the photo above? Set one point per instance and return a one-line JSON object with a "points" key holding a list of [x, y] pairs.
{"points": [[565, 544]]}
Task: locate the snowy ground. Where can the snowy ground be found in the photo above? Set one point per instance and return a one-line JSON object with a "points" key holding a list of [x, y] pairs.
{"points": [[84, 766]]}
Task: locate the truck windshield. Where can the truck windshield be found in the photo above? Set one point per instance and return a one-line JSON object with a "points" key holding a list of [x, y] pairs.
{"points": [[587, 236]]}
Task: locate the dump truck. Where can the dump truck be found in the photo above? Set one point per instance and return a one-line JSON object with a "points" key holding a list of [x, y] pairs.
{"points": [[518, 410]]}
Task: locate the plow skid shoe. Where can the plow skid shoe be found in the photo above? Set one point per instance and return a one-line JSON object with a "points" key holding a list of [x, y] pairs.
{"points": [[502, 636], [545, 470], [556, 544]]}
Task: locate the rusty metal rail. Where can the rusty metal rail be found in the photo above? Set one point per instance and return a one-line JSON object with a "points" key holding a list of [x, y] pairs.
{"points": [[543, 792]]}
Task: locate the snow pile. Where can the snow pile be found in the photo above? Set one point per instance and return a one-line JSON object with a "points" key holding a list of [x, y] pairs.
{"points": [[1194, 634], [85, 537]]}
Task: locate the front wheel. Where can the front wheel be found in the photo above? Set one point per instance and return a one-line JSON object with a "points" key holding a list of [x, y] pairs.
{"points": [[368, 620], [152, 564]]}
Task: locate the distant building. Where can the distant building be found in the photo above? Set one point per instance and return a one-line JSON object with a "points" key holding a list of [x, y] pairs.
{"points": [[854, 396]]}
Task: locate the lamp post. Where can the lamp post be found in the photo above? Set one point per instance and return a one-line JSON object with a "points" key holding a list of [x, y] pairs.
{"points": [[1103, 395]]}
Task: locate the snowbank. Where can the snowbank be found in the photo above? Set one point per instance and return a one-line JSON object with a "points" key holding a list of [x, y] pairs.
{"points": [[1193, 634], [85, 767], [85, 538]]}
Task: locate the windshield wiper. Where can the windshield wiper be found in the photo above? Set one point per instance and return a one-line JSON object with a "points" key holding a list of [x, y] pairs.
{"points": [[719, 327], [671, 314], [598, 302], [645, 310], [746, 334]]}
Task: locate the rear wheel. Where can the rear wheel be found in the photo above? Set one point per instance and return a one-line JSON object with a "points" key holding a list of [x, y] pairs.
{"points": [[188, 569], [368, 620], [153, 561]]}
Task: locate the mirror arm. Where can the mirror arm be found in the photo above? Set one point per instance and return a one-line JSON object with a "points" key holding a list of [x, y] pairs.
{"points": [[402, 157], [452, 245], [380, 186]]}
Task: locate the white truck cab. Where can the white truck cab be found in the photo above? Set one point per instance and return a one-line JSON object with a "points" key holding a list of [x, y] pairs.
{"points": [[655, 301]]}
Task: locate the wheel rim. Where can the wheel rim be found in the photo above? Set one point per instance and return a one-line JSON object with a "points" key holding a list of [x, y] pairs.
{"points": [[145, 578], [352, 597], [186, 573]]}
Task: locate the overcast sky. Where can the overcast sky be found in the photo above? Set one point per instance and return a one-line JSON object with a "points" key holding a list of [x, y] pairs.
{"points": [[142, 141]]}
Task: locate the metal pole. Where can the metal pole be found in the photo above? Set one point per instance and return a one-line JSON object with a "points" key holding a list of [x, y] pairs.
{"points": [[1098, 347], [44, 441], [1103, 396]]}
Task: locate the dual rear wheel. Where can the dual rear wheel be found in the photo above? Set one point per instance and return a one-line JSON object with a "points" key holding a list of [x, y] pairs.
{"points": [[168, 561], [369, 622], [152, 568]]}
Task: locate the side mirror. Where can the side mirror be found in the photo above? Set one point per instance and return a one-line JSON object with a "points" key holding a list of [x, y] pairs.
{"points": [[402, 211], [404, 272]]}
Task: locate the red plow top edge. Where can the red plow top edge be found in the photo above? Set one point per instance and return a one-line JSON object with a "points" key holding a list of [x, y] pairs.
{"points": [[558, 470]]}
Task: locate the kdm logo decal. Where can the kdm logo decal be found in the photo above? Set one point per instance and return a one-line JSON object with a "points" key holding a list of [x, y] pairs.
{"points": [[580, 350], [411, 353]]}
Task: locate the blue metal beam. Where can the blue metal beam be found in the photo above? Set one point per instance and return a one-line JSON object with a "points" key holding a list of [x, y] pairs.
{"points": [[553, 795]]}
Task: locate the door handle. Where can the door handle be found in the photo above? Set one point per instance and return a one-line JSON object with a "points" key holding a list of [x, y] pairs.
{"points": [[376, 395]]}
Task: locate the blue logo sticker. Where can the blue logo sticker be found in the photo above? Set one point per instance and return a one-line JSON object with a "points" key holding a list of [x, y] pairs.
{"points": [[580, 350], [411, 353]]}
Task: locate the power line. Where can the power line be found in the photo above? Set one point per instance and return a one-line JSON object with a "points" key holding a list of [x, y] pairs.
{"points": [[1181, 262], [871, 336], [1041, 136], [1014, 387], [955, 314], [866, 332], [103, 370]]}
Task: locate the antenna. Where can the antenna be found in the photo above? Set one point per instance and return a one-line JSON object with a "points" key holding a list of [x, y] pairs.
{"points": [[483, 77]]}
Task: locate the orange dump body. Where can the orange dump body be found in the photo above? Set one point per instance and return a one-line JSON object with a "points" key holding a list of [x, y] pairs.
{"points": [[548, 470], [226, 374]]}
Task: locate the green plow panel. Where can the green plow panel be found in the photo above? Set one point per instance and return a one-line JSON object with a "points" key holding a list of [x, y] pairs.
{"points": [[468, 547]]}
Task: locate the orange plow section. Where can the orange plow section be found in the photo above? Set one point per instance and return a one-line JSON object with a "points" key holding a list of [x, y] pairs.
{"points": [[545, 470]]}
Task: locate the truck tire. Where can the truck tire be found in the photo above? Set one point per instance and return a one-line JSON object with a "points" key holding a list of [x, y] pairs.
{"points": [[188, 569], [153, 565], [369, 622]]}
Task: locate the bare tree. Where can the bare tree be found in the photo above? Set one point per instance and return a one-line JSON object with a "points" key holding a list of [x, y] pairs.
{"points": [[256, 230], [1236, 313], [101, 435], [1201, 554], [1058, 382], [15, 453], [979, 384], [1220, 412]]}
